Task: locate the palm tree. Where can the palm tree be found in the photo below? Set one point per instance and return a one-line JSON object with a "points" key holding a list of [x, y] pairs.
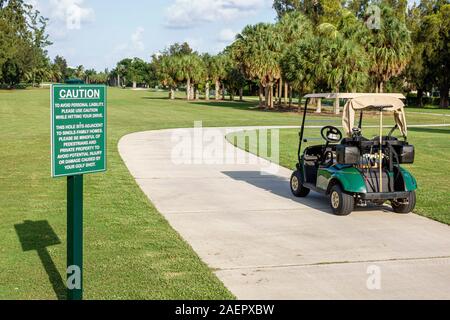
{"points": [[343, 61], [167, 72], [348, 67], [235, 82], [354, 64], [299, 64], [217, 71], [389, 48], [89, 74], [293, 26], [79, 72], [56, 75], [191, 69], [185, 70], [207, 60], [121, 70], [199, 75], [258, 49], [38, 74]]}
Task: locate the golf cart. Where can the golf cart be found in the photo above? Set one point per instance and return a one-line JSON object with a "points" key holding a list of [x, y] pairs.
{"points": [[354, 170]]}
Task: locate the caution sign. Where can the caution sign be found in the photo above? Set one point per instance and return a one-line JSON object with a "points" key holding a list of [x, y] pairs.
{"points": [[78, 126]]}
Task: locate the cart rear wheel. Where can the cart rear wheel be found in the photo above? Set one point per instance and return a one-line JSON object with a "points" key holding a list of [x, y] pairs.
{"points": [[341, 203], [406, 205], [297, 187]]}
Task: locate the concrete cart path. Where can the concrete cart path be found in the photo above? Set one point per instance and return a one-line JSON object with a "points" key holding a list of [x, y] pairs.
{"points": [[265, 244]]}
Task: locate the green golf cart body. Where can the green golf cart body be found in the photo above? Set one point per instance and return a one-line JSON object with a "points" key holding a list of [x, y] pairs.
{"points": [[349, 170]]}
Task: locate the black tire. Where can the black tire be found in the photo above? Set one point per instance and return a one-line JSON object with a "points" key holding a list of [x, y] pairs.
{"points": [[341, 203], [297, 187], [405, 208]]}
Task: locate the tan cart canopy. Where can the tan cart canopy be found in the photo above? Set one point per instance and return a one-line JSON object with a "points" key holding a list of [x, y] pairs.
{"points": [[390, 103]]}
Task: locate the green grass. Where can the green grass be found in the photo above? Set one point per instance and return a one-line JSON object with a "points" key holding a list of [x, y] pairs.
{"points": [[430, 109], [431, 167], [130, 250]]}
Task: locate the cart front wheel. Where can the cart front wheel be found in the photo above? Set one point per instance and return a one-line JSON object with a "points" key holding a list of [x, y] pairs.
{"points": [[341, 203], [297, 187], [405, 206]]}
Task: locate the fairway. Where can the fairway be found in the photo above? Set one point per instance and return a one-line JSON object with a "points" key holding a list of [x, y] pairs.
{"points": [[130, 250], [154, 161]]}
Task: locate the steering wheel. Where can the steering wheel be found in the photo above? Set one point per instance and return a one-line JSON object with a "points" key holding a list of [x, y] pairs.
{"points": [[331, 134]]}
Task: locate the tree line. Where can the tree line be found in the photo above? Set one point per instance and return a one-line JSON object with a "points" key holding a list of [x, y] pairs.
{"points": [[23, 57], [320, 46], [23, 50], [313, 46]]}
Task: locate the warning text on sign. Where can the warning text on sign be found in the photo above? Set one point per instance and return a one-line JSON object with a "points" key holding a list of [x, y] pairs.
{"points": [[78, 130]]}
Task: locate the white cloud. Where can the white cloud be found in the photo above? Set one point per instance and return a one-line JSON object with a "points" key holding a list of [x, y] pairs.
{"points": [[72, 13], [197, 44], [189, 13], [137, 42], [64, 16], [227, 35], [133, 47]]}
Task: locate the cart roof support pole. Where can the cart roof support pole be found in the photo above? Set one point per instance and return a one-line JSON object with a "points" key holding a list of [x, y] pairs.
{"points": [[361, 119], [302, 132], [381, 150]]}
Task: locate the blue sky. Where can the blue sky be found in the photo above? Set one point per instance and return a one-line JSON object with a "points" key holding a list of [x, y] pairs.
{"points": [[98, 33]]}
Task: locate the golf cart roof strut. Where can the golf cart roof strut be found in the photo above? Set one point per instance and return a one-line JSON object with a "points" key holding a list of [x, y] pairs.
{"points": [[302, 132]]}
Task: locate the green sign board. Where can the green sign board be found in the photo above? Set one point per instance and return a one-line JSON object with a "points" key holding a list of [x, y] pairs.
{"points": [[78, 124]]}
